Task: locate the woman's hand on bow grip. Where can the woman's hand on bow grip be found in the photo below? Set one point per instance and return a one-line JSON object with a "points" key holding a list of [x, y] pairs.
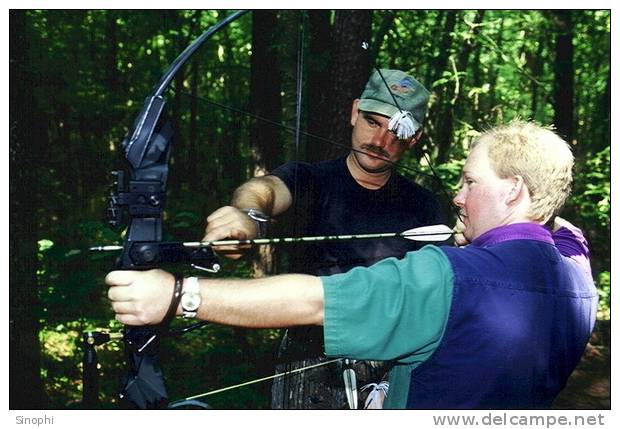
{"points": [[140, 297]]}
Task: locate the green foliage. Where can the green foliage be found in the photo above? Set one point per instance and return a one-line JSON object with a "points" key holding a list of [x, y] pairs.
{"points": [[61, 357], [591, 197], [450, 174], [590, 208], [604, 293]]}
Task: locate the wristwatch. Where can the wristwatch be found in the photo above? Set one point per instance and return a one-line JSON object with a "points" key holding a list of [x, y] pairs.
{"points": [[260, 219], [190, 297]]}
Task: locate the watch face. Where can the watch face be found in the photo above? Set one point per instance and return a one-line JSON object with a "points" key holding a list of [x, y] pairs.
{"points": [[190, 301]]}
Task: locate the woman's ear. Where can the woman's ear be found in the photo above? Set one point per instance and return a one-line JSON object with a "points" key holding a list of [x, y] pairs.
{"points": [[518, 187]]}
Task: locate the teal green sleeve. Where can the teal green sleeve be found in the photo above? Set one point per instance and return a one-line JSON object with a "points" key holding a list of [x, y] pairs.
{"points": [[393, 310]]}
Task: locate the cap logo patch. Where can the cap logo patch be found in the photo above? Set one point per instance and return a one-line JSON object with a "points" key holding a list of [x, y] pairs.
{"points": [[403, 86]]}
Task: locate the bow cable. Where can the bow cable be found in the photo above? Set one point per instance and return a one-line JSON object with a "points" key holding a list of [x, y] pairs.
{"points": [[294, 130], [257, 380]]}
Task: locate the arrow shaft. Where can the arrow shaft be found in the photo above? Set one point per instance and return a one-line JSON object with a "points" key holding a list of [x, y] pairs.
{"points": [[262, 241], [424, 234], [443, 235]]}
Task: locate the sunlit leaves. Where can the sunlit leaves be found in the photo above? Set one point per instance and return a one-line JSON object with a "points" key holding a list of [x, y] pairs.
{"points": [[45, 244], [603, 284]]}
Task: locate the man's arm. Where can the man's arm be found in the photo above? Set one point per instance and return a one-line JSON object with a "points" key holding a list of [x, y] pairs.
{"points": [[396, 309], [267, 194], [143, 297]]}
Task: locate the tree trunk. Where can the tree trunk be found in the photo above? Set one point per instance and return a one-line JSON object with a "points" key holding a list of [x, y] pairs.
{"points": [[446, 119], [233, 171], [349, 72], [179, 156], [27, 133], [439, 64], [112, 75], [193, 147], [318, 62], [265, 102], [535, 64], [563, 91], [265, 84], [440, 61], [387, 21]]}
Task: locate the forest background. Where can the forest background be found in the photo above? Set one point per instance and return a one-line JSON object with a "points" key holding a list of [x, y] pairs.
{"points": [[79, 77]]}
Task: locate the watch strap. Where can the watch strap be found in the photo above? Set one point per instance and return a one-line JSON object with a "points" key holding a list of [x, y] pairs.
{"points": [[260, 219], [176, 298]]}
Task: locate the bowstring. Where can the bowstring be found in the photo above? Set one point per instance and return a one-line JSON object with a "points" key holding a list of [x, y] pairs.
{"points": [[306, 134], [433, 175], [239, 385], [286, 384]]}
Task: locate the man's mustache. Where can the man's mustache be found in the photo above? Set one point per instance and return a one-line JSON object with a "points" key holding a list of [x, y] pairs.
{"points": [[376, 150]]}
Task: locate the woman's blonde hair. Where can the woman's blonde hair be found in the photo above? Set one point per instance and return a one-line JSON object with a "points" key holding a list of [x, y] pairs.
{"points": [[537, 154]]}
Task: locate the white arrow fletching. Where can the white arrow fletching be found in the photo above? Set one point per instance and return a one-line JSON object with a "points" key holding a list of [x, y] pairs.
{"points": [[428, 233]]}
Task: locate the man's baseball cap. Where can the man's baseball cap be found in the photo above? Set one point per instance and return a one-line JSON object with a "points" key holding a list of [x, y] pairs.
{"points": [[410, 95]]}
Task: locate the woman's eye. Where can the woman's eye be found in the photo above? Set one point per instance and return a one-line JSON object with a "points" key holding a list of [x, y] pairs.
{"points": [[465, 181]]}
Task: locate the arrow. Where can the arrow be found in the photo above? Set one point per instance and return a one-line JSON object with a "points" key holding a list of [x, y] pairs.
{"points": [[424, 233]]}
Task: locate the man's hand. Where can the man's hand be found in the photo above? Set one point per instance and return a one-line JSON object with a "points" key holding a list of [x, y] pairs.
{"points": [[140, 297], [230, 223]]}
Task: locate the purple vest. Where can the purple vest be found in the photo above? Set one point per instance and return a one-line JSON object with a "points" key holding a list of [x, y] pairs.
{"points": [[520, 318]]}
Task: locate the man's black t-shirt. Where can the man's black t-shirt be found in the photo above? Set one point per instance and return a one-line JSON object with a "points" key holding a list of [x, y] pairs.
{"points": [[328, 201]]}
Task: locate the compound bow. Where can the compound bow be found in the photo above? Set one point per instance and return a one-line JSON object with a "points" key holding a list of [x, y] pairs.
{"points": [[143, 196]]}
